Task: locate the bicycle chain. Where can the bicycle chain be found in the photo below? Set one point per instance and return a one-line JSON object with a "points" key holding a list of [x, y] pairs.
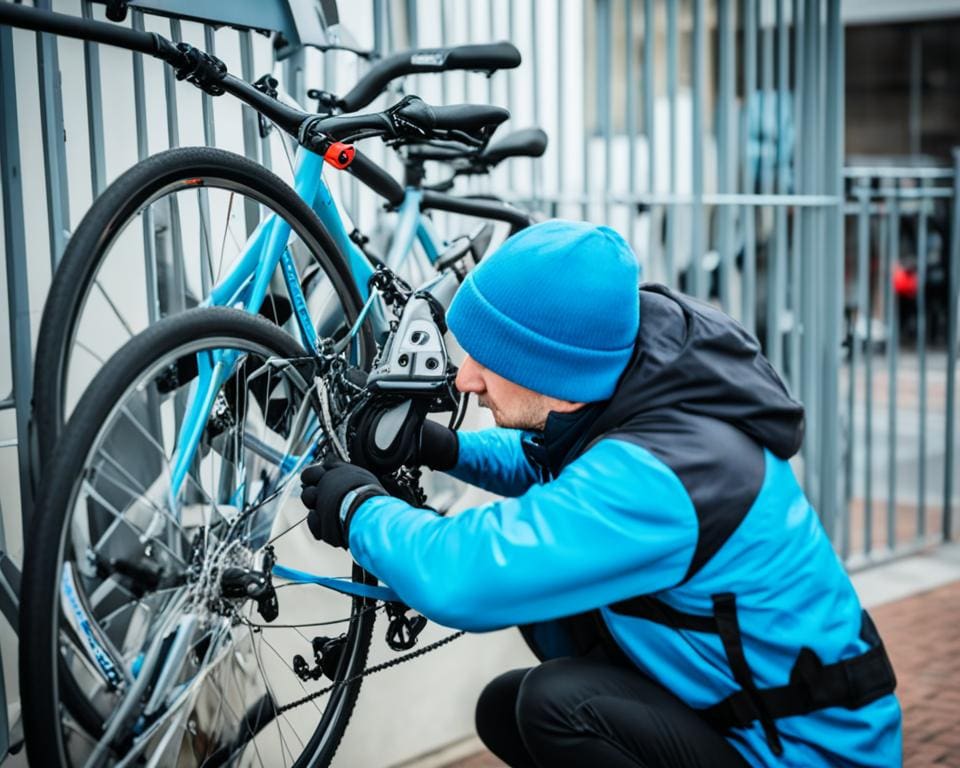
{"points": [[369, 671]]}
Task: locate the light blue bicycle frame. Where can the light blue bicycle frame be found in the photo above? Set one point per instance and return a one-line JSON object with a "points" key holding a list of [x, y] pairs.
{"points": [[248, 281]]}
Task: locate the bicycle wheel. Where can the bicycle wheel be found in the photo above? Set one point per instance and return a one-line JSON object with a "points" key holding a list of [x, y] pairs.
{"points": [[151, 246], [153, 635]]}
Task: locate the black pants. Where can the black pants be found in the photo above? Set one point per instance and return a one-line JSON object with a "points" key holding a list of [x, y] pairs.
{"points": [[593, 712]]}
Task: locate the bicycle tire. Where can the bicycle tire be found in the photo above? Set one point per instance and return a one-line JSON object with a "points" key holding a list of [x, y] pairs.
{"points": [[40, 659], [101, 225]]}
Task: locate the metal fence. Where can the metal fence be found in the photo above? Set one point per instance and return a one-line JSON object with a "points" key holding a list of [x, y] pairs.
{"points": [[900, 368], [712, 135]]}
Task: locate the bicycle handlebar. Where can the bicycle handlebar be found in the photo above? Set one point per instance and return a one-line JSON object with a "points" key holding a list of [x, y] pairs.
{"points": [[410, 118], [25, 17], [483, 58]]}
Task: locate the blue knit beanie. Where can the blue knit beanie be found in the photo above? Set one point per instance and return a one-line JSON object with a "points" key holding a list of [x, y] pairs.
{"points": [[554, 309]]}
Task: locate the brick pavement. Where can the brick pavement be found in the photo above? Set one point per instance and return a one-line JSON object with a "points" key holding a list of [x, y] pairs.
{"points": [[922, 635]]}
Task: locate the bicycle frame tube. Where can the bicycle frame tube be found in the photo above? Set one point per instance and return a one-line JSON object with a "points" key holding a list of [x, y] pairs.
{"points": [[407, 228], [308, 334], [213, 369], [210, 375], [249, 281], [310, 171], [226, 292], [428, 237]]}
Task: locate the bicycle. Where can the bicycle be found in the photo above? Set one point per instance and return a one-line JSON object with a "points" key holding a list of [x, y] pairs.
{"points": [[92, 300]]}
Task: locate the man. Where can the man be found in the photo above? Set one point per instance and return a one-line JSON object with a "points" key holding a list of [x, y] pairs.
{"points": [[653, 544]]}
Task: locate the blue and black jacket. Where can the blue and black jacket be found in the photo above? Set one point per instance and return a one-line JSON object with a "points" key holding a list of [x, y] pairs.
{"points": [[667, 523]]}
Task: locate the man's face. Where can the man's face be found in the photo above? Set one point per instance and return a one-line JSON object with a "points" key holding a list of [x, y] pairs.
{"points": [[511, 404]]}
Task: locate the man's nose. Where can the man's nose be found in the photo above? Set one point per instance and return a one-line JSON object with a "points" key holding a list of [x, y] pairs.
{"points": [[468, 377]]}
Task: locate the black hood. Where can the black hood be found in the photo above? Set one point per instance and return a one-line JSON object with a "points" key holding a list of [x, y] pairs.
{"points": [[694, 358]]}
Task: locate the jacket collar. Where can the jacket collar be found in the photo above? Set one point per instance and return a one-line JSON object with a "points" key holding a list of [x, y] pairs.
{"points": [[561, 439]]}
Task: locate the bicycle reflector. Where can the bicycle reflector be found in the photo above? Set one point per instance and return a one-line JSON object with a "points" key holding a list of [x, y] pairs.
{"points": [[339, 155]]}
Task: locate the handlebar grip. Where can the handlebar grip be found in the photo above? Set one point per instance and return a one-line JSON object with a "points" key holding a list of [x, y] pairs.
{"points": [[484, 209], [377, 179], [483, 57]]}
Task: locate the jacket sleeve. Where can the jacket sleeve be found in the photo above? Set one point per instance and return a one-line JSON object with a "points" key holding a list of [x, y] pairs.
{"points": [[493, 459], [616, 523]]}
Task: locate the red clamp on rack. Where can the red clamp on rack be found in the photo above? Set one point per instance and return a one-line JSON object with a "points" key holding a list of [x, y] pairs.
{"points": [[339, 155]]}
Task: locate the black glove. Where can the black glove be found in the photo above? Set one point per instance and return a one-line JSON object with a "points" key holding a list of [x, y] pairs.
{"points": [[439, 446], [389, 437], [326, 487]]}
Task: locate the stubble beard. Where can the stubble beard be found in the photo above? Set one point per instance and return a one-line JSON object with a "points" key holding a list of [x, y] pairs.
{"points": [[524, 415]]}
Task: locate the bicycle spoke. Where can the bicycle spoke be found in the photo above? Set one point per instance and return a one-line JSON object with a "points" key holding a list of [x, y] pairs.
{"points": [[90, 352], [116, 310], [273, 698], [206, 245], [106, 619], [148, 502], [174, 709], [119, 517], [285, 662], [223, 242], [166, 461], [139, 493], [238, 717], [253, 733]]}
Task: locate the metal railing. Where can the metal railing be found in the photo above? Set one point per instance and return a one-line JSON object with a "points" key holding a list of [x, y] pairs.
{"points": [[712, 135], [900, 367]]}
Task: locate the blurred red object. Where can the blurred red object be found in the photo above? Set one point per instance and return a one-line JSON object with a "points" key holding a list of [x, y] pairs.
{"points": [[904, 282]]}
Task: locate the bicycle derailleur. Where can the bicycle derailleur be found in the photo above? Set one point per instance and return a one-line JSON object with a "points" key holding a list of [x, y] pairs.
{"points": [[402, 632], [240, 583]]}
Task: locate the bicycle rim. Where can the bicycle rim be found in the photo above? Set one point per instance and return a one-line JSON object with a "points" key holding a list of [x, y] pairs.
{"points": [[180, 670]]}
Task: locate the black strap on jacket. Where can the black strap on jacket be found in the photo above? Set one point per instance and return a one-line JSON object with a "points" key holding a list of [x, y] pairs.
{"points": [[728, 627], [850, 683]]}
